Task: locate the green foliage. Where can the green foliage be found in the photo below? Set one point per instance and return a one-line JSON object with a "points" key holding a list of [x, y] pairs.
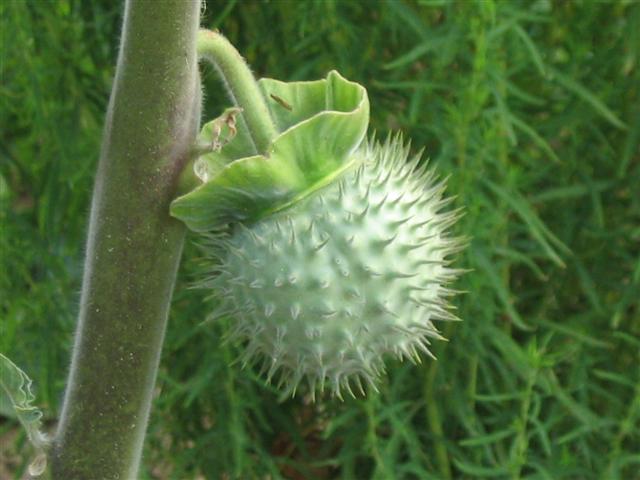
{"points": [[534, 110]]}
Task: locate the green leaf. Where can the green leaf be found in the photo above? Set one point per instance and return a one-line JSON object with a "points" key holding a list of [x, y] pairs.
{"points": [[589, 97], [531, 47], [488, 439], [321, 123], [503, 293], [539, 231], [16, 394]]}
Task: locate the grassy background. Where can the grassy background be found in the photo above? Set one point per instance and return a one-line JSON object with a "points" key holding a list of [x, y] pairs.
{"points": [[532, 107]]}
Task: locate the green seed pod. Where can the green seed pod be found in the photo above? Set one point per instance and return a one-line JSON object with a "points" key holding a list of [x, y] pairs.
{"points": [[329, 252]]}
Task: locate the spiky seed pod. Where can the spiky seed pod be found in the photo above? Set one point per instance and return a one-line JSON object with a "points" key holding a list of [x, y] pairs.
{"points": [[327, 251], [322, 291]]}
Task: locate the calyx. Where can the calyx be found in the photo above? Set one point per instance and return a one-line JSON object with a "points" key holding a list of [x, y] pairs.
{"points": [[318, 126]]}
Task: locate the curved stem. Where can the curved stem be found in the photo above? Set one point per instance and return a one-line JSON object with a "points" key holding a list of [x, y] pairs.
{"points": [[241, 85]]}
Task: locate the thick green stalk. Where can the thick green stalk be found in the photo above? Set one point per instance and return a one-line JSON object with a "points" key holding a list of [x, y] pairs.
{"points": [[242, 87], [133, 245]]}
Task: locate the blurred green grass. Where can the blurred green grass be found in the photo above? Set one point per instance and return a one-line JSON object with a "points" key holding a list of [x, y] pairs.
{"points": [[532, 107]]}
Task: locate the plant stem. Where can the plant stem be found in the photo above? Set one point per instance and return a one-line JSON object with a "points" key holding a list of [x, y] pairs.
{"points": [[242, 87], [133, 246], [434, 422]]}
